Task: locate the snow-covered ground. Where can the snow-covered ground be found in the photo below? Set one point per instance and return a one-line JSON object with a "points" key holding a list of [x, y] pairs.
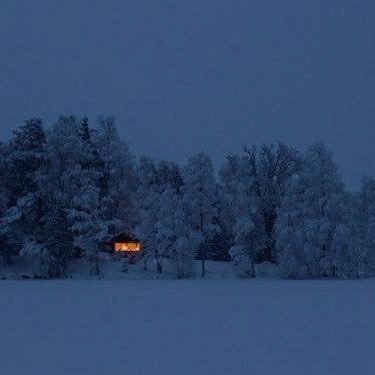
{"points": [[112, 268], [191, 327]]}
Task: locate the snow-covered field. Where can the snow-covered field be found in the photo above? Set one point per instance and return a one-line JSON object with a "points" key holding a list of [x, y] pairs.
{"points": [[229, 327]]}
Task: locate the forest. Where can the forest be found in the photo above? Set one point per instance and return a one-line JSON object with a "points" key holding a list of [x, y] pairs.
{"points": [[68, 189]]}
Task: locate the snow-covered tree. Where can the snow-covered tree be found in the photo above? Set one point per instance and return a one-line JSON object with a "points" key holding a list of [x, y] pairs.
{"points": [[84, 130], [5, 193], [252, 187], [199, 196], [86, 217], [118, 182], [176, 239], [269, 169], [236, 208], [168, 174], [365, 221], [38, 254], [50, 251], [289, 234], [69, 168], [59, 241], [26, 157], [314, 232], [24, 216], [65, 150], [159, 185], [167, 204], [147, 207]]}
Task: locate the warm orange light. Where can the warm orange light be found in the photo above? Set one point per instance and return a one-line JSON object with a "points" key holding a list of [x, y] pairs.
{"points": [[127, 246]]}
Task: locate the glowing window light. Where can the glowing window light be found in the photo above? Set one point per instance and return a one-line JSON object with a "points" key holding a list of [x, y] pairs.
{"points": [[127, 246]]}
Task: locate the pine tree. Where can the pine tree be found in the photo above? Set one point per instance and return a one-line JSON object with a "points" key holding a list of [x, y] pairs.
{"points": [[27, 148], [24, 217], [84, 130]]}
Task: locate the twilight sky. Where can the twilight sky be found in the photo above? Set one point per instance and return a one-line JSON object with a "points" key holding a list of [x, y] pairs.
{"points": [[182, 76]]}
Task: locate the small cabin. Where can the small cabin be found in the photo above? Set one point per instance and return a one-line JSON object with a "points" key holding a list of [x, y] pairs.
{"points": [[126, 244]]}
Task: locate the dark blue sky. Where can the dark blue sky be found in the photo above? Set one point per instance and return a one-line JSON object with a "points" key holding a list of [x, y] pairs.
{"points": [[184, 76]]}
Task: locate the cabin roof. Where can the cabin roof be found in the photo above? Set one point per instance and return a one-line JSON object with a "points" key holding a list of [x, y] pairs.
{"points": [[126, 237]]}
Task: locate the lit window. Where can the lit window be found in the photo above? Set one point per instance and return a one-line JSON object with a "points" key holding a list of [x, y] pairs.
{"points": [[127, 246]]}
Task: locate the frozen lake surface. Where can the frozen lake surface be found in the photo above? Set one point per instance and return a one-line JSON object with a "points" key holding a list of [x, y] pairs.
{"points": [[230, 327]]}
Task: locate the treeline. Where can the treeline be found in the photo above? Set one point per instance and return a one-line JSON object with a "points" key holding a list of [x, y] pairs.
{"points": [[68, 189]]}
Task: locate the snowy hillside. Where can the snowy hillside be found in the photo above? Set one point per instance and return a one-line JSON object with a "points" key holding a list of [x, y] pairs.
{"points": [[187, 327]]}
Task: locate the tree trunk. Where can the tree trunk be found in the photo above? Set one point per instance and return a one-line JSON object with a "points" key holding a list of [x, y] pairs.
{"points": [[253, 270], [203, 254], [159, 266], [203, 248]]}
